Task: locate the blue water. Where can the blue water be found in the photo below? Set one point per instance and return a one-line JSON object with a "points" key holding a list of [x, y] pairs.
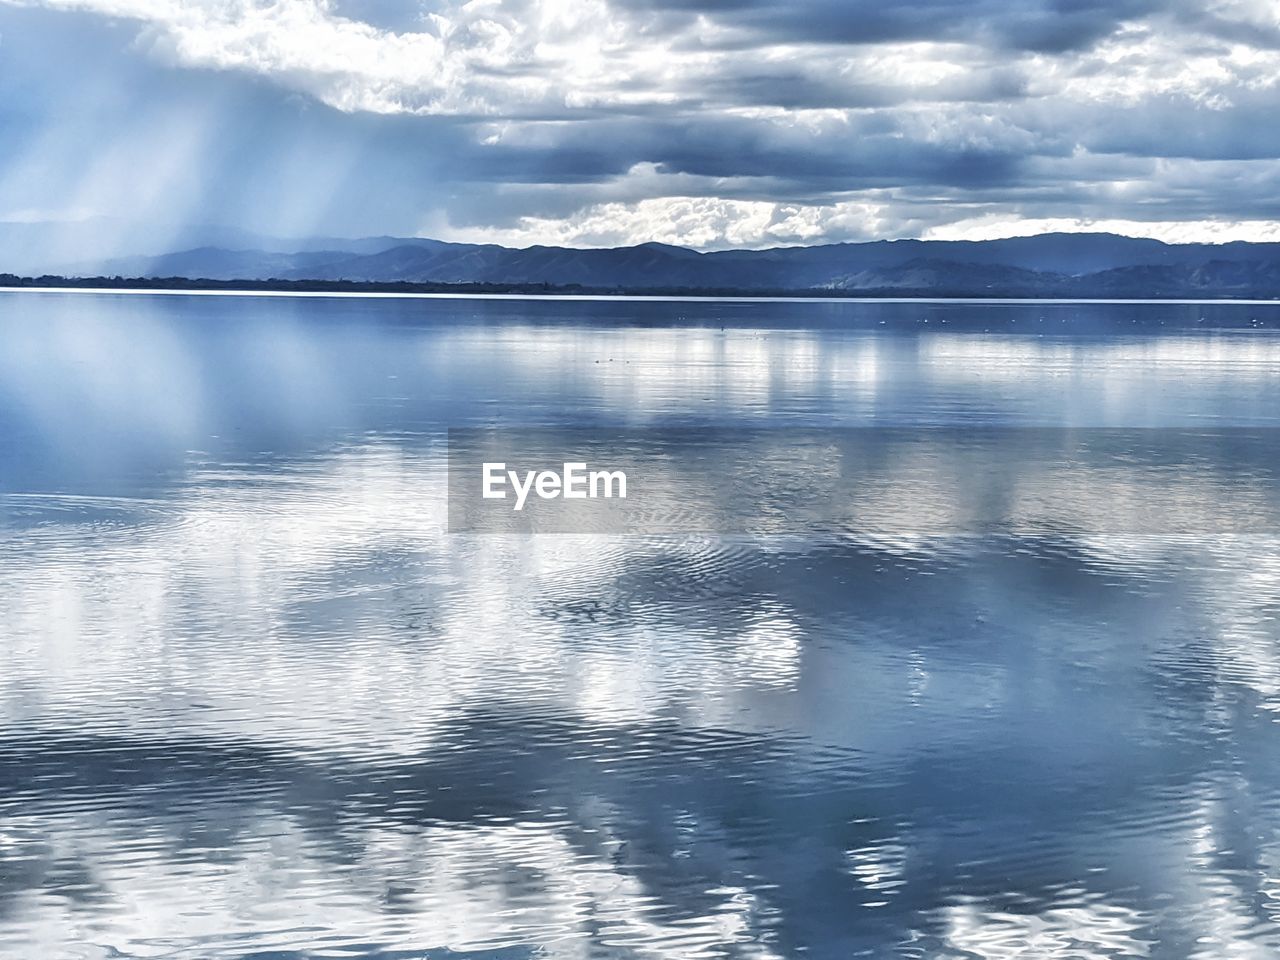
{"points": [[257, 701]]}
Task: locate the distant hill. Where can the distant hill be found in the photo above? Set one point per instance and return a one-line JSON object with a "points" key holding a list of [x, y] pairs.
{"points": [[1072, 264]]}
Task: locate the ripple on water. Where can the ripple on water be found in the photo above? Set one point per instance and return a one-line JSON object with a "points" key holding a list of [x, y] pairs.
{"points": [[257, 701]]}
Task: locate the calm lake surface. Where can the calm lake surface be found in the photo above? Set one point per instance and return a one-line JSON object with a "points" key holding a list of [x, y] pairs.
{"points": [[257, 701]]}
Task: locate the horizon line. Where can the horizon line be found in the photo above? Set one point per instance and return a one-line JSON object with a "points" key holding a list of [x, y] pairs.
{"points": [[657, 298]]}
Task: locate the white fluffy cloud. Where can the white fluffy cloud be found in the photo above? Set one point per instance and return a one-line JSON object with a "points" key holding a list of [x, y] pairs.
{"points": [[712, 224], [516, 58], [481, 57], [701, 222], [1170, 231]]}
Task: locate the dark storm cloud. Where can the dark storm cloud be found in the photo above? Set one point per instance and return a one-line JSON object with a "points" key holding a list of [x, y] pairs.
{"points": [[1163, 127], [1031, 25], [795, 87], [854, 161]]}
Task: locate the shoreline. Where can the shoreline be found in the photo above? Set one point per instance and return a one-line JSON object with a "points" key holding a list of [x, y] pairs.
{"points": [[276, 292]]}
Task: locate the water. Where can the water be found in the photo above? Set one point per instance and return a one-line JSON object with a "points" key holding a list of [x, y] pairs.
{"points": [[257, 701]]}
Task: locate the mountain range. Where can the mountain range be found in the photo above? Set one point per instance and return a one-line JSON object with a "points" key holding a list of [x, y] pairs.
{"points": [[1062, 264]]}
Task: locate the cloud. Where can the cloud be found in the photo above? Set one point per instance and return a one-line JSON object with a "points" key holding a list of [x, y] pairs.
{"points": [[707, 122], [480, 58], [994, 226], [702, 222], [540, 58]]}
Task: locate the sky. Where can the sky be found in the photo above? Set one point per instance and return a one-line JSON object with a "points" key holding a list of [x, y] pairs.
{"points": [[704, 123]]}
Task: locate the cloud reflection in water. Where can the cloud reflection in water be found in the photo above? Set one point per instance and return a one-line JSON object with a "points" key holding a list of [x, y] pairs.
{"points": [[257, 700]]}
